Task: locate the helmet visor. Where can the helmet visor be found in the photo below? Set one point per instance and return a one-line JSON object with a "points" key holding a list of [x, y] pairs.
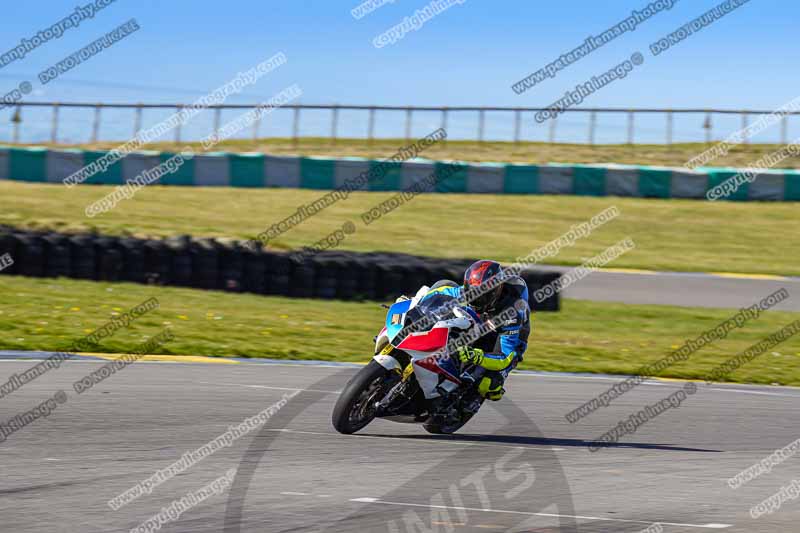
{"points": [[487, 299]]}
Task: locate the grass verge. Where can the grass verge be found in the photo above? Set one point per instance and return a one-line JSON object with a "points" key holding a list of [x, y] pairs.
{"points": [[47, 314], [678, 235]]}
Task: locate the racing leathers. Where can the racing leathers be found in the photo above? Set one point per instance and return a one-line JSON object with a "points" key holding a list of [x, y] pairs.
{"points": [[507, 324]]}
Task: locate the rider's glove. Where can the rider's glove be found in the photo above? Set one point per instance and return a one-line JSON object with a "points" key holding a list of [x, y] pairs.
{"points": [[469, 355]]}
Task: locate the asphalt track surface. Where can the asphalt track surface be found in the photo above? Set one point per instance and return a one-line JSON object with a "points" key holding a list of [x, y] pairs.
{"points": [[518, 466], [685, 289]]}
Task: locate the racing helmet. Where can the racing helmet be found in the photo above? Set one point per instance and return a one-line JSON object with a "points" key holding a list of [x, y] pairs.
{"points": [[482, 284]]}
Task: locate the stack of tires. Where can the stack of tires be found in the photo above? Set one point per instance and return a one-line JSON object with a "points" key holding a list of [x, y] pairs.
{"points": [[107, 259], [228, 265], [133, 254], [179, 253]]}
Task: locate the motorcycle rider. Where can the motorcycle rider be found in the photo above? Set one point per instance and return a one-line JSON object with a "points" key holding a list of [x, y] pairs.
{"points": [[489, 292]]}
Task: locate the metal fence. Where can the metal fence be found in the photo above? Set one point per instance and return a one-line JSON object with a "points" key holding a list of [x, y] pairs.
{"points": [[478, 114]]}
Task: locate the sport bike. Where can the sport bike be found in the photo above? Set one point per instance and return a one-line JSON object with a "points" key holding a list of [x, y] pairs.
{"points": [[414, 377]]}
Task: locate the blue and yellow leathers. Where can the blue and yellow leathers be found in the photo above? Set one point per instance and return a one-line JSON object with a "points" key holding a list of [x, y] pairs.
{"points": [[500, 350]]}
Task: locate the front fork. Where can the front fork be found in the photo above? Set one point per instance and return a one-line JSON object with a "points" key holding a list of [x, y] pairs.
{"points": [[389, 398], [404, 370]]}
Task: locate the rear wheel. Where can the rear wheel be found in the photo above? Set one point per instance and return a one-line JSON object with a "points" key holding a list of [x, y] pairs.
{"points": [[445, 429], [437, 427], [355, 407]]}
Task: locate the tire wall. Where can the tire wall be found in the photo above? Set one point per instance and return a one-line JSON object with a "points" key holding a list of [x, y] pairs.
{"points": [[229, 266]]}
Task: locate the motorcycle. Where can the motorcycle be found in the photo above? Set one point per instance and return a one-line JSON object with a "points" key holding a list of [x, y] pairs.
{"points": [[414, 376]]}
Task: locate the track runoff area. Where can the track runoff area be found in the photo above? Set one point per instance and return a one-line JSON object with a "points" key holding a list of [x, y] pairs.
{"points": [[231, 445]]}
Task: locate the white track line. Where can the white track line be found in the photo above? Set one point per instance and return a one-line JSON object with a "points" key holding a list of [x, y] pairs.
{"points": [[762, 393], [266, 387], [551, 515], [720, 389], [653, 382]]}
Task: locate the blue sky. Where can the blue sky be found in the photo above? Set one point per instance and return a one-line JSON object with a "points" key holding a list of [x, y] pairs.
{"points": [[468, 55]]}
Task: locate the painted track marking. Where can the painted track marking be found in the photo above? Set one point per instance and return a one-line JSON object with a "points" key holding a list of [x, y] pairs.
{"points": [[551, 515], [267, 387]]}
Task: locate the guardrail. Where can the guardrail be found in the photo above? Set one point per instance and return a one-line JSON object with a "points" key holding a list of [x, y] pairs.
{"points": [[479, 113]]}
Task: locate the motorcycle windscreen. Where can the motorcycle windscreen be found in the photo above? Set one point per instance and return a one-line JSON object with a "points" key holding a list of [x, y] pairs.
{"points": [[395, 317], [428, 311]]}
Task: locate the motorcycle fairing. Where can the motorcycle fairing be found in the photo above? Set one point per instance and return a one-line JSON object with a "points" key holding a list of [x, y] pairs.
{"points": [[435, 373], [425, 341]]}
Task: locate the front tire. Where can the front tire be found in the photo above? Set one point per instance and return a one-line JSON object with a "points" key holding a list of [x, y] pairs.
{"points": [[355, 407]]}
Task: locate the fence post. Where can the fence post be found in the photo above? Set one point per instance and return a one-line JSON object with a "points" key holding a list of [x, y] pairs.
{"points": [[408, 124], [784, 130], [257, 122], [707, 125], [96, 123], [54, 127], [371, 127], [592, 126], [552, 136], [481, 119], [745, 139], [669, 128], [517, 124], [17, 120], [296, 126], [217, 119], [334, 123], [180, 123], [630, 126], [445, 112], [137, 121]]}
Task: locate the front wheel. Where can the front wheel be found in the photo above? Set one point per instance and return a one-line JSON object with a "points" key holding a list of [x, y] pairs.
{"points": [[355, 407]]}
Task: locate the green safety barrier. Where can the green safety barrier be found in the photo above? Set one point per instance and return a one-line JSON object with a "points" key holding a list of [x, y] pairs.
{"points": [[255, 170]]}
